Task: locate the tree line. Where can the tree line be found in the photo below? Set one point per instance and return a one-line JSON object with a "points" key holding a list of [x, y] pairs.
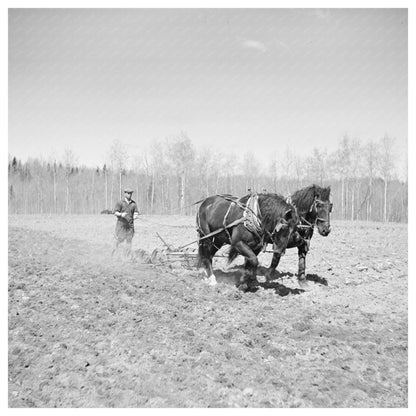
{"points": [[171, 175]]}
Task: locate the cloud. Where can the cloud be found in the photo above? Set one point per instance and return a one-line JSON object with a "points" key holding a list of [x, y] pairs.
{"points": [[254, 44]]}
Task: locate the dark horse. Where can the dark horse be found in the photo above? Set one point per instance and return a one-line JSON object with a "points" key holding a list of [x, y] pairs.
{"points": [[277, 220], [313, 208]]}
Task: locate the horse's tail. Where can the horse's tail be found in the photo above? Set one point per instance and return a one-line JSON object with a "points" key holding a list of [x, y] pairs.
{"points": [[232, 254]]}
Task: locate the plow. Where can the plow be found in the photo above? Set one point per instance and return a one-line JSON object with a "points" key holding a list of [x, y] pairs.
{"points": [[188, 258], [168, 254], [186, 255]]}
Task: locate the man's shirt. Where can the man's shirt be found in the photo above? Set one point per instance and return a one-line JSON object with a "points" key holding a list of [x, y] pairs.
{"points": [[129, 207]]}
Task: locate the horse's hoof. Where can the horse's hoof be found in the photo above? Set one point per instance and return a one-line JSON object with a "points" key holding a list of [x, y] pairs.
{"points": [[212, 281], [303, 284], [253, 284], [243, 287]]}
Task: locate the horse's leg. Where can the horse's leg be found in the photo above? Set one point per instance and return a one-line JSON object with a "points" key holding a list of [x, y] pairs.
{"points": [[249, 279], [256, 251], [302, 252], [206, 252], [275, 262], [214, 247], [205, 257]]}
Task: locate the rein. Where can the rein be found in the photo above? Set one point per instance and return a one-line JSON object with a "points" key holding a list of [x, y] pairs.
{"points": [[311, 209]]}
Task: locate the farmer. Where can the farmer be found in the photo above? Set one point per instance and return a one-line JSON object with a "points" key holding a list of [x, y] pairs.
{"points": [[126, 212]]}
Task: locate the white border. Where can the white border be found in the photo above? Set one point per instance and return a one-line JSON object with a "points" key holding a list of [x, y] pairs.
{"points": [[212, 4]]}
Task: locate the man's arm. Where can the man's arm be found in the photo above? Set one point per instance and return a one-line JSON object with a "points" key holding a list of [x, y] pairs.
{"points": [[117, 211], [120, 214], [136, 212]]}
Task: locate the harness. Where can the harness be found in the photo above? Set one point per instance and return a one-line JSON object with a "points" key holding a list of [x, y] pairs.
{"points": [[224, 222], [251, 215], [326, 203], [312, 208], [305, 225], [251, 219]]}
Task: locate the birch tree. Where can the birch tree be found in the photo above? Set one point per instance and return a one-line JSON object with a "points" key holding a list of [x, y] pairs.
{"points": [[355, 173], [162, 173], [69, 161], [118, 157], [316, 166], [343, 164], [250, 170], [229, 166], [181, 154], [204, 162], [371, 155], [105, 174], [386, 164]]}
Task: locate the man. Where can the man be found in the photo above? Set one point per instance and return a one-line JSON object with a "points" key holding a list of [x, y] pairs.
{"points": [[126, 212]]}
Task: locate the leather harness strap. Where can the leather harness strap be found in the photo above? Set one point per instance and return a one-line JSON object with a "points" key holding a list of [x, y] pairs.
{"points": [[225, 220]]}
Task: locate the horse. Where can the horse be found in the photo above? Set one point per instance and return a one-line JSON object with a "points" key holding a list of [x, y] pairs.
{"points": [[313, 208], [224, 219]]}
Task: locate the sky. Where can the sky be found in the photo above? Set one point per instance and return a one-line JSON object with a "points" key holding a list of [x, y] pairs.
{"points": [[235, 80]]}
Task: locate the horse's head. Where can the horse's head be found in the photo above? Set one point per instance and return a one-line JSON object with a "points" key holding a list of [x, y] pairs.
{"points": [[323, 208], [283, 230]]}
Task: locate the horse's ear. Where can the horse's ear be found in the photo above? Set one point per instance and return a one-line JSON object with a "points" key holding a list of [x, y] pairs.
{"points": [[326, 193], [288, 214]]}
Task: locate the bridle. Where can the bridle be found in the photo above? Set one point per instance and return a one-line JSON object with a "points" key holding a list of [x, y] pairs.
{"points": [[317, 202], [305, 224]]}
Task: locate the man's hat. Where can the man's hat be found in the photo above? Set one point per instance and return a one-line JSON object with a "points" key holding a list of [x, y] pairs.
{"points": [[128, 190]]}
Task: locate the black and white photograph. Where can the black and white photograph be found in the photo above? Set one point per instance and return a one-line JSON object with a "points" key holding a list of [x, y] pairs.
{"points": [[207, 207]]}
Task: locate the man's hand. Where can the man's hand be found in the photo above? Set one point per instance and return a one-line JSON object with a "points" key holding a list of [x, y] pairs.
{"points": [[123, 215]]}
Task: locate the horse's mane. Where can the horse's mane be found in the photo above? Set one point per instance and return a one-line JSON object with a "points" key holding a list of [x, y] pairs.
{"points": [[303, 198], [272, 208]]}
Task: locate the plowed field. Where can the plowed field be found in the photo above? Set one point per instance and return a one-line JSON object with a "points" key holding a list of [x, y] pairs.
{"points": [[90, 330]]}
